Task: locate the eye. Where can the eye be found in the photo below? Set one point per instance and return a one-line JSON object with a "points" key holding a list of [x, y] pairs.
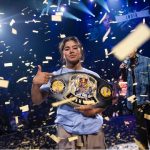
{"points": [[75, 47], [66, 49]]}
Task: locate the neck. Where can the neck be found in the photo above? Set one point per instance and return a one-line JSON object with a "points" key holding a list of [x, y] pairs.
{"points": [[77, 66]]}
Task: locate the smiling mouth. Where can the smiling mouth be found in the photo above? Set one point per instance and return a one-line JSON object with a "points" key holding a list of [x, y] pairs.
{"points": [[72, 56]]}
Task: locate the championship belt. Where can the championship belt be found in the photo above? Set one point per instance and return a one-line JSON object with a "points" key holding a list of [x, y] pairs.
{"points": [[78, 88]]}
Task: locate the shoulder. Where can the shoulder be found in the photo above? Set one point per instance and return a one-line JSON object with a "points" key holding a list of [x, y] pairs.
{"points": [[90, 72], [57, 72], [144, 58]]}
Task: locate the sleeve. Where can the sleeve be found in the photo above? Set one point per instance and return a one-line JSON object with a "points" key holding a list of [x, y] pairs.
{"points": [[45, 87]]}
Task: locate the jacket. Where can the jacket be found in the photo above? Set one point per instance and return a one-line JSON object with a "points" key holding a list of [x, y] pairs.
{"points": [[142, 81]]}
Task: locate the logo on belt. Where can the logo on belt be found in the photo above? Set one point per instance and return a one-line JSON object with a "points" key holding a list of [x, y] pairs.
{"points": [[57, 86]]}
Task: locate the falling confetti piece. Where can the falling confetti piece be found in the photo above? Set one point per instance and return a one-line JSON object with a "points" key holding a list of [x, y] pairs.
{"points": [[73, 138], [133, 40], [103, 18], [8, 64], [132, 98], [12, 22], [21, 79], [24, 108], [14, 31], [64, 101], [147, 116], [4, 83], [106, 35], [56, 18]]}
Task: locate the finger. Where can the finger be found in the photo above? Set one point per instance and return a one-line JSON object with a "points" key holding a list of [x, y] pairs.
{"points": [[39, 68], [48, 75], [46, 81]]}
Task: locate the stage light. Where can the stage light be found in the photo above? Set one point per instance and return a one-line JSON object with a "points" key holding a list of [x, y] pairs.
{"points": [[91, 0], [71, 16], [83, 8], [62, 9], [103, 4]]}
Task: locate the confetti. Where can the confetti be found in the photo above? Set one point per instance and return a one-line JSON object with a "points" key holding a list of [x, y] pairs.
{"points": [[139, 144], [73, 138], [106, 35], [147, 116], [14, 31], [12, 22], [24, 108], [4, 83], [64, 101], [62, 36], [45, 62], [8, 64], [103, 18], [106, 53], [35, 31], [56, 18], [16, 119], [6, 103], [131, 98], [107, 118], [54, 137], [133, 40], [48, 58], [25, 43], [21, 79]]}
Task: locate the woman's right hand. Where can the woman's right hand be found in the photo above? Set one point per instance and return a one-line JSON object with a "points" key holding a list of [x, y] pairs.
{"points": [[41, 77]]}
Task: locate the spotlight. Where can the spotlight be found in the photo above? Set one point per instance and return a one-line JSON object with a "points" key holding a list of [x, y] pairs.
{"points": [[62, 9], [91, 0]]}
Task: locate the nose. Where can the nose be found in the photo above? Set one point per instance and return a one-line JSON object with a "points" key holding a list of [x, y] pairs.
{"points": [[71, 50]]}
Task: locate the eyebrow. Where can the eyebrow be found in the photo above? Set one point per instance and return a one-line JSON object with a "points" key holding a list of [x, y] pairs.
{"points": [[70, 46]]}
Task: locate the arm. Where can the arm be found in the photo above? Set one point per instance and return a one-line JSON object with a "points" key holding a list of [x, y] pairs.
{"points": [[37, 95], [89, 111]]}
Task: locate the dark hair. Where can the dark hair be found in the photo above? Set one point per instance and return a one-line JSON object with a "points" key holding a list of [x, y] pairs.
{"points": [[71, 38]]}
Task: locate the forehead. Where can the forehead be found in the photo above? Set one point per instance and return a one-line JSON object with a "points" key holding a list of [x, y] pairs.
{"points": [[70, 43]]}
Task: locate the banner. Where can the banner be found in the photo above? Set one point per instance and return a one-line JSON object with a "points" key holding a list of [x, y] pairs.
{"points": [[130, 16]]}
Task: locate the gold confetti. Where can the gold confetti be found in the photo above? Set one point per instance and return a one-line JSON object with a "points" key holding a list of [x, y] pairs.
{"points": [[139, 144], [56, 18], [132, 42], [132, 98], [118, 136], [24, 108], [4, 83], [107, 118], [16, 119], [64, 101], [55, 138], [73, 138], [14, 31], [147, 116]]}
